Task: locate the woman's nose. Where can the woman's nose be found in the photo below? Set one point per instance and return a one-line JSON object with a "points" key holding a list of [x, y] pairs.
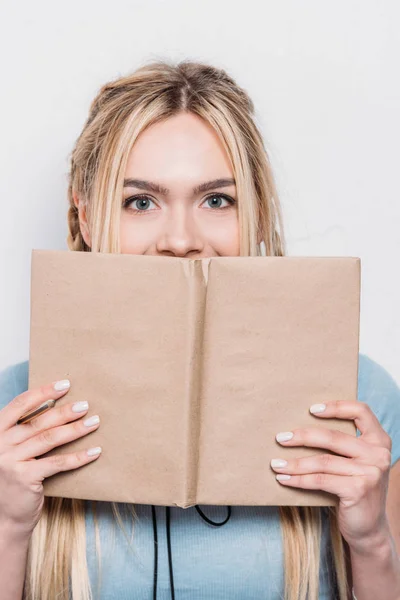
{"points": [[180, 236]]}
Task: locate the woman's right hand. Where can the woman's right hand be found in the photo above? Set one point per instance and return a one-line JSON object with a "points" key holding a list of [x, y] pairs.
{"points": [[21, 474]]}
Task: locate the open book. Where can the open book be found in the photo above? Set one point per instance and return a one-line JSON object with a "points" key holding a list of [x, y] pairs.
{"points": [[194, 366]]}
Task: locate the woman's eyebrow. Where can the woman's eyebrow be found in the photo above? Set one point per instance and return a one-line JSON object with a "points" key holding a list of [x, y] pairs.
{"points": [[150, 186]]}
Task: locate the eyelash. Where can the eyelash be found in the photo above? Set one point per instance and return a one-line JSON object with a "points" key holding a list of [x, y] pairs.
{"points": [[132, 199]]}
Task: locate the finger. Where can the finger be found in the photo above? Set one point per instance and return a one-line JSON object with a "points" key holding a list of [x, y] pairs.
{"points": [[319, 463], [334, 484], [331, 439], [51, 438], [363, 416], [29, 400], [52, 418], [343, 486], [45, 467]]}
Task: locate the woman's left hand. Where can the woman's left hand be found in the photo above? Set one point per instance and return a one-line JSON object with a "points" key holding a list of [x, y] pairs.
{"points": [[360, 476]]}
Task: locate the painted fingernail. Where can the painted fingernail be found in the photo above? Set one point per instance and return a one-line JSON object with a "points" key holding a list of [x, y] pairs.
{"points": [[93, 451], [284, 436], [92, 421], [282, 477], [80, 406], [63, 384], [317, 408], [278, 462]]}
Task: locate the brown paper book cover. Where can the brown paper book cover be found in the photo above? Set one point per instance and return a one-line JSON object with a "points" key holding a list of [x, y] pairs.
{"points": [[194, 366]]}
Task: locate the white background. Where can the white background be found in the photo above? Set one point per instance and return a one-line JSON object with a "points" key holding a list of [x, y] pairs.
{"points": [[324, 77]]}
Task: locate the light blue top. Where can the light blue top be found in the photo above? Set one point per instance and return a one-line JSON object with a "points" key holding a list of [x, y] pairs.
{"points": [[240, 560]]}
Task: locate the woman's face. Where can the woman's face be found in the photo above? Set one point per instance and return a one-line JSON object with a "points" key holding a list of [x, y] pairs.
{"points": [[179, 194]]}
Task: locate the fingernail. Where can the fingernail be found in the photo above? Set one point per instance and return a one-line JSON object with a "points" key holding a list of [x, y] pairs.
{"points": [[93, 451], [80, 406], [63, 384], [284, 436], [282, 477], [317, 408], [278, 462], [92, 421]]}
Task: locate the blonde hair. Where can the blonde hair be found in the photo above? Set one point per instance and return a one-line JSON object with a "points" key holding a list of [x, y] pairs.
{"points": [[119, 113]]}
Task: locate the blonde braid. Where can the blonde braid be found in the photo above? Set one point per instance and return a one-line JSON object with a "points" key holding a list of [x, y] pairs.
{"points": [[75, 239]]}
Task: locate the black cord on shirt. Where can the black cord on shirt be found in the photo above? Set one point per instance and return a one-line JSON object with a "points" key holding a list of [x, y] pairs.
{"points": [[153, 510], [203, 516], [168, 528], [171, 574]]}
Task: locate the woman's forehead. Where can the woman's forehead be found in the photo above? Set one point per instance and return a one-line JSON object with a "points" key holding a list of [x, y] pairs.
{"points": [[183, 150]]}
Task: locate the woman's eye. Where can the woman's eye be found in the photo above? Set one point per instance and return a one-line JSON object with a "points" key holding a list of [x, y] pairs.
{"points": [[217, 200], [139, 203]]}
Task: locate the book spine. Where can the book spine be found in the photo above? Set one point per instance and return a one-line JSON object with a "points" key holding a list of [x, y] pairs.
{"points": [[197, 276]]}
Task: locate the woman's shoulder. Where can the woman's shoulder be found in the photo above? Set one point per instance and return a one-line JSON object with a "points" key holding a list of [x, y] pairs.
{"points": [[13, 381], [378, 389], [371, 375]]}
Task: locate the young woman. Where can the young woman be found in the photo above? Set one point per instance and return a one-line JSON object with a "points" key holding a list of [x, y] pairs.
{"points": [[170, 162]]}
